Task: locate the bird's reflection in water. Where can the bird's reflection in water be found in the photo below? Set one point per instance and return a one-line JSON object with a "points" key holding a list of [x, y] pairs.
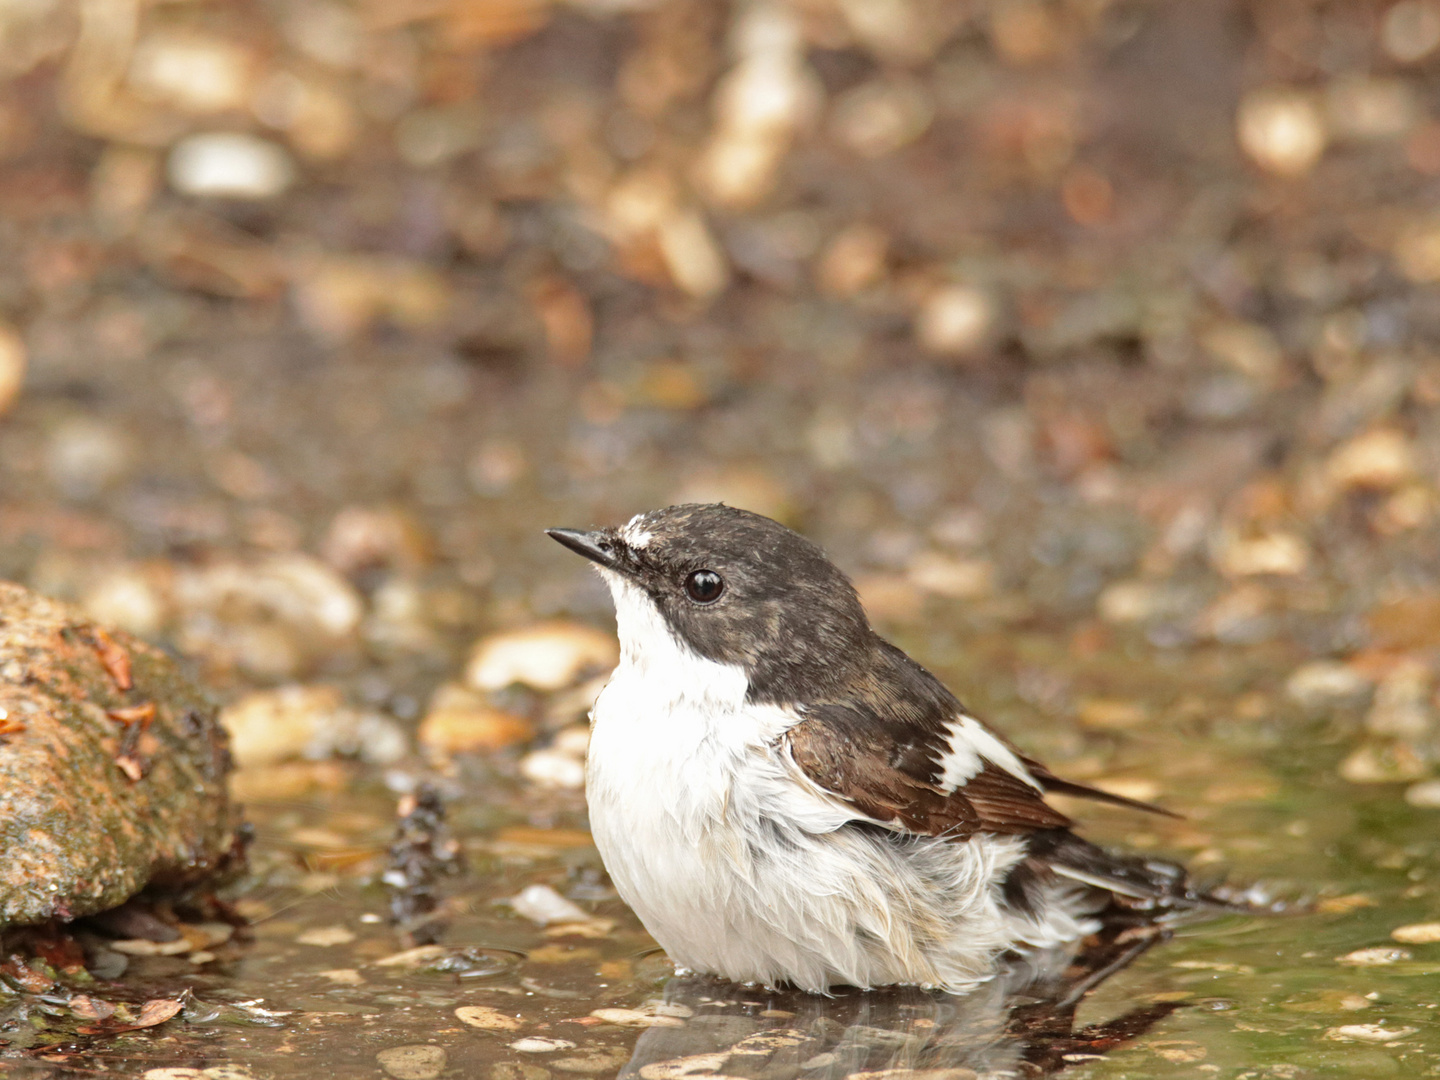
{"points": [[1021, 1024]]}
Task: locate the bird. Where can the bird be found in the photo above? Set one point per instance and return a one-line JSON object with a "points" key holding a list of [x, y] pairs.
{"points": [[785, 798]]}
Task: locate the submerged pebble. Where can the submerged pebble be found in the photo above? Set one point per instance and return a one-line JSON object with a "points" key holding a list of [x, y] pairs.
{"points": [[534, 1044], [1370, 1033], [1417, 933], [483, 1016], [1425, 794], [1377, 956], [418, 1062], [542, 904]]}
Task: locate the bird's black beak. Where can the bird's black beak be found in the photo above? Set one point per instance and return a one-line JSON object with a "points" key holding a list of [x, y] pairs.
{"points": [[599, 546]]}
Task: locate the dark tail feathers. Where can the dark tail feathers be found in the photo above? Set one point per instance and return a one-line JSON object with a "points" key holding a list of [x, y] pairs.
{"points": [[1135, 883]]}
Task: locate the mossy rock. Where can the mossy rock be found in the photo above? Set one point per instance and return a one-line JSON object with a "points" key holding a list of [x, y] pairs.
{"points": [[93, 808]]}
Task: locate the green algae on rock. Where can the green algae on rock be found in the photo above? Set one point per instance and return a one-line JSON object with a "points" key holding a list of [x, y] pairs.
{"points": [[112, 767]]}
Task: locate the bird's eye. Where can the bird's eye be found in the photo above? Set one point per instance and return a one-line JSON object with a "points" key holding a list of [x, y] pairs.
{"points": [[704, 586]]}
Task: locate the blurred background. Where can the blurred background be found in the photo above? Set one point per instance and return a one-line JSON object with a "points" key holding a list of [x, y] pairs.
{"points": [[1099, 339], [1106, 326]]}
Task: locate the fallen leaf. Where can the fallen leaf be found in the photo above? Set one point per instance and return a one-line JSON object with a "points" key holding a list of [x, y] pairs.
{"points": [[157, 1011], [131, 767], [153, 1013], [113, 658], [131, 714], [89, 1008]]}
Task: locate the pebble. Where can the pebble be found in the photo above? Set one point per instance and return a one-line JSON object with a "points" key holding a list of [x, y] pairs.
{"points": [[417, 1062], [293, 589], [1325, 682], [1417, 251], [12, 365], [543, 905], [534, 1044], [1382, 460], [1425, 794], [1402, 702], [759, 103], [562, 763], [853, 260], [145, 947], [425, 138], [483, 1016], [419, 956], [194, 73], [84, 456], [1365, 107], [547, 656], [1417, 934], [600, 1061], [1282, 130], [1280, 553], [459, 721], [573, 740], [1410, 30], [1377, 956], [955, 320], [365, 537], [326, 936], [1370, 1033], [343, 976], [339, 296], [951, 577], [696, 262], [1246, 347], [554, 768], [130, 597], [1142, 601], [1111, 714], [881, 116], [307, 721], [229, 164], [1382, 762]]}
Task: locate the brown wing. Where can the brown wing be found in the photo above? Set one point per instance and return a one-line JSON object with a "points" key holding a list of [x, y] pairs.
{"points": [[896, 784]]}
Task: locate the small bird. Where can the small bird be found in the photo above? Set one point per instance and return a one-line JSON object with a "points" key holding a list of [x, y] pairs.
{"points": [[784, 797]]}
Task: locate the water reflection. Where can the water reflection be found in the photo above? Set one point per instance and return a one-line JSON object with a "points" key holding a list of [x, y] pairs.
{"points": [[1020, 1023]]}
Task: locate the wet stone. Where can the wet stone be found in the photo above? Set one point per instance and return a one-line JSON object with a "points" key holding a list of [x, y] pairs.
{"points": [[95, 808], [546, 656], [419, 1062]]}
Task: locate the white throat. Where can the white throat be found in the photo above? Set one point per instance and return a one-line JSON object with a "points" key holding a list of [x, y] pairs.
{"points": [[661, 665]]}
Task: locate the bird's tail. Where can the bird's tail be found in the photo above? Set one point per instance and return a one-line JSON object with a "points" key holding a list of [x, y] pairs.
{"points": [[1148, 887]]}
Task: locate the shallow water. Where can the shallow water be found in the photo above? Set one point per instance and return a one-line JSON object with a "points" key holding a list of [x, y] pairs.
{"points": [[321, 981], [1190, 445]]}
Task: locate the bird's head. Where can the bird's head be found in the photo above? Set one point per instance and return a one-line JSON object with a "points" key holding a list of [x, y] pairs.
{"points": [[733, 587]]}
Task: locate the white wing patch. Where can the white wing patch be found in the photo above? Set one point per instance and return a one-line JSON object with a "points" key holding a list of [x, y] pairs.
{"points": [[969, 747]]}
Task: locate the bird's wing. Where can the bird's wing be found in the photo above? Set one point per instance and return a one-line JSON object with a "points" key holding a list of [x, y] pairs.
{"points": [[903, 751], [955, 780]]}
